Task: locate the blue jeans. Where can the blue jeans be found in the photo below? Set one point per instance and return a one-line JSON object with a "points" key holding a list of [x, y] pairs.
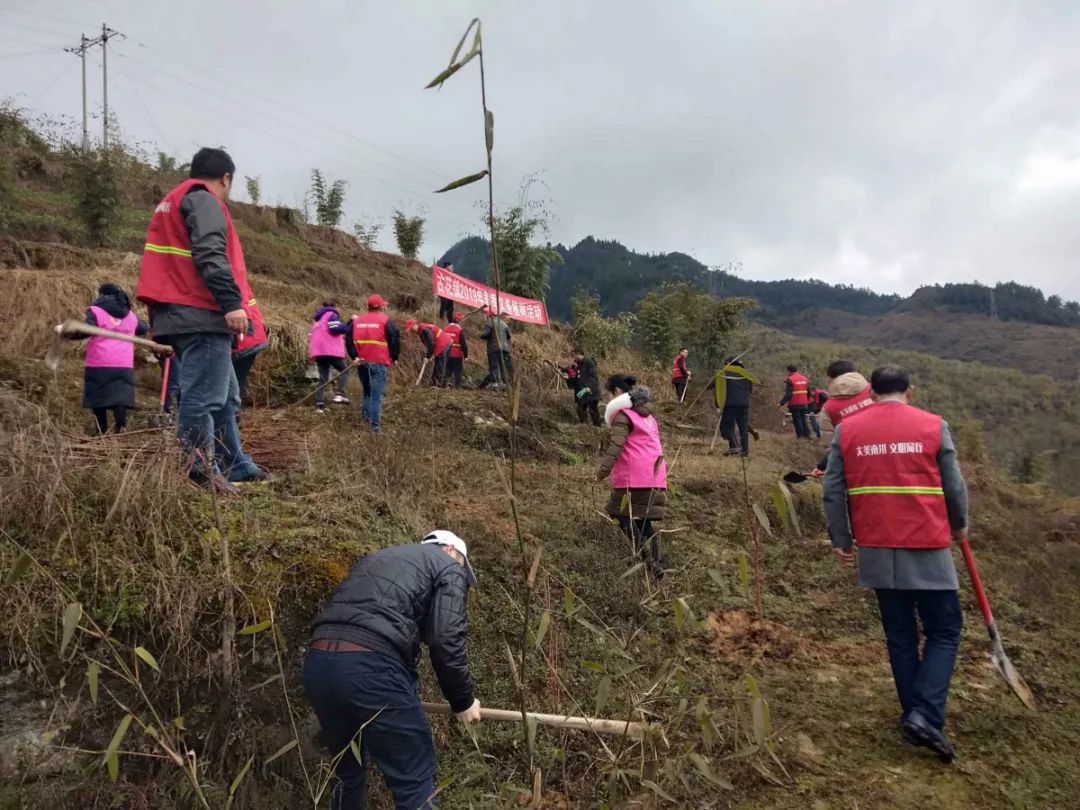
{"points": [[798, 419], [209, 400], [372, 698], [814, 423], [922, 683], [373, 379]]}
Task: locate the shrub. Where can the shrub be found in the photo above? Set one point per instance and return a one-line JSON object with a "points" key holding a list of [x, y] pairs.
{"points": [[254, 189], [99, 197], [329, 199], [408, 233], [596, 335]]}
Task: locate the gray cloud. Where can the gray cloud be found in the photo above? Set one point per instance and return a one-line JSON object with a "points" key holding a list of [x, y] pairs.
{"points": [[882, 144]]}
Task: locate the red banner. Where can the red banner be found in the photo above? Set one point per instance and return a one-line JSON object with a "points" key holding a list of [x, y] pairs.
{"points": [[473, 294]]}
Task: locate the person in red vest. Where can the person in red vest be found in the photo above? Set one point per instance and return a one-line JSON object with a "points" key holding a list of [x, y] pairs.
{"points": [[849, 393], [436, 345], [797, 398], [894, 488], [818, 398], [194, 281], [680, 374], [109, 375], [459, 349], [374, 344]]}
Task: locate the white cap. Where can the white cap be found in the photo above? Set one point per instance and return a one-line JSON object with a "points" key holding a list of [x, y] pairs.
{"points": [[441, 537]]}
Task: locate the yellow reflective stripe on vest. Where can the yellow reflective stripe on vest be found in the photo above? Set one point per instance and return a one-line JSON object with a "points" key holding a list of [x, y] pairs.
{"points": [[167, 249], [896, 491], [370, 342]]}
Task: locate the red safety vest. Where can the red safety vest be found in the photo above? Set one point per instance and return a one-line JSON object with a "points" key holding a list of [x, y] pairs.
{"points": [[454, 331], [678, 368], [816, 399], [441, 339], [893, 480], [800, 390], [369, 335], [839, 409], [167, 274]]}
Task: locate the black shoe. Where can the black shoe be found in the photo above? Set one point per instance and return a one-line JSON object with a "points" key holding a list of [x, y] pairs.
{"points": [[919, 732], [257, 474]]}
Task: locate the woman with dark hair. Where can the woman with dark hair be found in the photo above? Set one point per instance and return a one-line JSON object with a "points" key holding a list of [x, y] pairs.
{"points": [[109, 377], [635, 461], [326, 347]]}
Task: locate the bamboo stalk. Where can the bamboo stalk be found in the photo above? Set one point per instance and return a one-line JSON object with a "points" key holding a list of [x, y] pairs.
{"points": [[621, 728]]}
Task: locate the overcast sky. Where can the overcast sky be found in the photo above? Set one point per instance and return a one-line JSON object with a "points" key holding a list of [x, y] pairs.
{"points": [[880, 144]]}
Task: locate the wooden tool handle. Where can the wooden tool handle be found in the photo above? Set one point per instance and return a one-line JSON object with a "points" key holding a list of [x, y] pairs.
{"points": [[78, 327], [620, 728]]}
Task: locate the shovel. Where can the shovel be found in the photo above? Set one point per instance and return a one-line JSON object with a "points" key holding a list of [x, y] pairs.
{"points": [[423, 368], [997, 651], [56, 350], [795, 477]]}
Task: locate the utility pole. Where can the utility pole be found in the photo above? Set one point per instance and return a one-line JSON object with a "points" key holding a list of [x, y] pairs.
{"points": [[106, 34], [80, 51], [993, 305]]}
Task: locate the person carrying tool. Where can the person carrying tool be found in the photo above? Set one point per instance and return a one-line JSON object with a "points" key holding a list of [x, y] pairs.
{"points": [[374, 344], [459, 349], [496, 333], [327, 348], [360, 671], [446, 305], [635, 461], [680, 374], [893, 487], [436, 345], [733, 400], [848, 393], [194, 281], [109, 370], [797, 398], [248, 346], [818, 398], [586, 389]]}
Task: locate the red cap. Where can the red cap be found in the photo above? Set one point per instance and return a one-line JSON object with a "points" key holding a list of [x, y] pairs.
{"points": [[409, 324], [375, 302], [457, 317]]}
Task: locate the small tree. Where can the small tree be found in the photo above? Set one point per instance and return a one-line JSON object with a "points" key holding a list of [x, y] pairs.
{"points": [[254, 188], [680, 315], [367, 233], [329, 199], [99, 197], [166, 163], [596, 335], [525, 267], [408, 233]]}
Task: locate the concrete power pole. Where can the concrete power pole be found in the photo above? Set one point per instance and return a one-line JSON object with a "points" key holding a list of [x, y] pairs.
{"points": [[80, 51], [106, 34]]}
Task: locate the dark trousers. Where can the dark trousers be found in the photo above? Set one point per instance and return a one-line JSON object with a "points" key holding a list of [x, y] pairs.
{"points": [[735, 427], [500, 368], [815, 423], [242, 366], [680, 386], [588, 409], [454, 367], [438, 369], [798, 420], [119, 419], [371, 698], [325, 364], [646, 541], [446, 310], [922, 682]]}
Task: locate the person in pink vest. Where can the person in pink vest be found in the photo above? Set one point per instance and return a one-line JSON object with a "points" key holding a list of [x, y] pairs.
{"points": [[326, 346], [109, 377], [635, 461]]}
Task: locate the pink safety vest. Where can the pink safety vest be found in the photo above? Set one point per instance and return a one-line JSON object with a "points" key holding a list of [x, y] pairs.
{"points": [[636, 467], [322, 343], [106, 352]]}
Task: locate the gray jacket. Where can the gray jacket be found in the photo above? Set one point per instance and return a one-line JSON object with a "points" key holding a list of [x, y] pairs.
{"points": [[208, 231], [497, 334], [905, 569]]}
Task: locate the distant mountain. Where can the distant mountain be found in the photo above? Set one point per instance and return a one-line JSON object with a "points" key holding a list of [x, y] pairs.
{"points": [[965, 321]]}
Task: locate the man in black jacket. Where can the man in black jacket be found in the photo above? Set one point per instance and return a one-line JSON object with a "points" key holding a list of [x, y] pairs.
{"points": [[361, 667], [586, 389], [496, 333]]}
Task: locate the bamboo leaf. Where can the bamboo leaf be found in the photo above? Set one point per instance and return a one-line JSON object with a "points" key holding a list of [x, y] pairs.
{"points": [[568, 601], [19, 566], [763, 519], [147, 658], [489, 130], [92, 679], [780, 504], [588, 625], [461, 42], [112, 761], [717, 576], [659, 791], [789, 501], [706, 770], [603, 692], [542, 627], [704, 718], [252, 629], [476, 42], [267, 682], [235, 784], [450, 71], [758, 709], [624, 504], [354, 746], [629, 572], [682, 612], [286, 748], [72, 614], [463, 181], [594, 666], [279, 639], [744, 572], [752, 687]]}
